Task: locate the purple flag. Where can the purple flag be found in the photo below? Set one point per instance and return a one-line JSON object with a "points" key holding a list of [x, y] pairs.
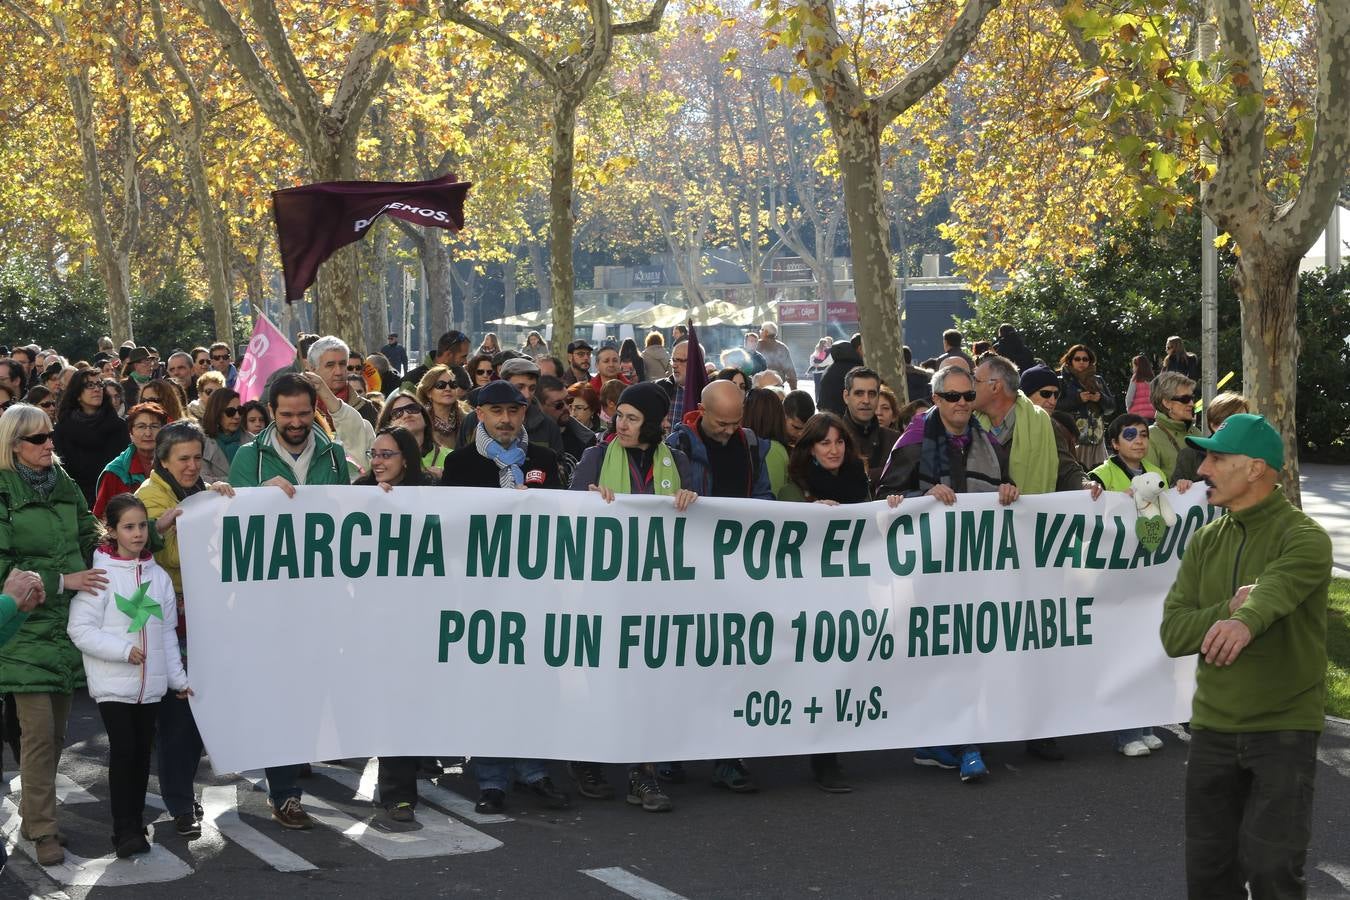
{"points": [[315, 220], [695, 375]]}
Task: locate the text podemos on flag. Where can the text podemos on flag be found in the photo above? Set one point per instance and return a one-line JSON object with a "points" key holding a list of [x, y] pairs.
{"points": [[350, 622]]}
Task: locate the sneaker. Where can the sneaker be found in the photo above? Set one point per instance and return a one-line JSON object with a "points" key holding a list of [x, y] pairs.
{"points": [[187, 826], [1153, 742], [402, 812], [734, 776], [290, 814], [1046, 749], [490, 801], [972, 765], [590, 780], [49, 852], [645, 791], [937, 757], [1134, 748], [550, 796], [671, 772]]}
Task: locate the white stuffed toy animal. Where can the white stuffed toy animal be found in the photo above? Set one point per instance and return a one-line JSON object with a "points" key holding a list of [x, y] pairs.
{"points": [[1155, 512]]}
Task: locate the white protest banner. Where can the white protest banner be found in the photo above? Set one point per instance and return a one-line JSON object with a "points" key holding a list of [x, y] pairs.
{"points": [[349, 622]]}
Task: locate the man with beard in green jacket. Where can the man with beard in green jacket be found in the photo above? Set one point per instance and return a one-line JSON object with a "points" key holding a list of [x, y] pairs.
{"points": [[1250, 599]]}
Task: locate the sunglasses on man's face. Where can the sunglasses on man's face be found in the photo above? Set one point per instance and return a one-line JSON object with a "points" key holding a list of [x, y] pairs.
{"points": [[37, 440], [1047, 393], [560, 404], [953, 396], [220, 358]]}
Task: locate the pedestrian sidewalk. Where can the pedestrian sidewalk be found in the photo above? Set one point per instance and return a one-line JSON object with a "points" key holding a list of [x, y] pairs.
{"points": [[1326, 497]]}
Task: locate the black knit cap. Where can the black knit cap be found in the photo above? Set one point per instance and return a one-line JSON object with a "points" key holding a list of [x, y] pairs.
{"points": [[1037, 377], [647, 398]]}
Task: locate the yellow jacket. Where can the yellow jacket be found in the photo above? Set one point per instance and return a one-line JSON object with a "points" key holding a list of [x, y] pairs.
{"points": [[159, 498]]}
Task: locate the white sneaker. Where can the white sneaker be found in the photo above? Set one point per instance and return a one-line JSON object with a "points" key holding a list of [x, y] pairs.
{"points": [[1153, 742], [1135, 748]]}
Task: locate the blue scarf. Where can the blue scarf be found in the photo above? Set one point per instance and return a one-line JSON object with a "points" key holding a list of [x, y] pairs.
{"points": [[508, 459]]}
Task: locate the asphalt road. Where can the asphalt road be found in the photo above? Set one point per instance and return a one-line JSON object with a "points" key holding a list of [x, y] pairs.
{"points": [[1095, 826]]}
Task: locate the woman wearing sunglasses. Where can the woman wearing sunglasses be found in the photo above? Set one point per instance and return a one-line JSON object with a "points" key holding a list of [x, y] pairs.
{"points": [[44, 400], [1128, 438], [404, 411], [1173, 396], [438, 393], [481, 370], [223, 421], [49, 531], [1084, 396]]}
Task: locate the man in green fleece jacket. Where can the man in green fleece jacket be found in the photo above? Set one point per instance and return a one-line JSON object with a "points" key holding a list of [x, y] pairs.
{"points": [[1251, 599]]}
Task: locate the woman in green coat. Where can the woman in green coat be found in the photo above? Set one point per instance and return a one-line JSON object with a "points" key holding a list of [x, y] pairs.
{"points": [[45, 527]]}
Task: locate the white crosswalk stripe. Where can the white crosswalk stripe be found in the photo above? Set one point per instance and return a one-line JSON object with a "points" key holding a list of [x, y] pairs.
{"points": [[364, 786], [625, 882]]}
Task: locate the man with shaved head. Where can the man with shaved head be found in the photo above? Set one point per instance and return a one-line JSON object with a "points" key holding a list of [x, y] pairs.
{"points": [[725, 460]]}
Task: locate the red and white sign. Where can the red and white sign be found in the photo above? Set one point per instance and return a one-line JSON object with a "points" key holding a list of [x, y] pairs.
{"points": [[789, 313], [841, 311]]}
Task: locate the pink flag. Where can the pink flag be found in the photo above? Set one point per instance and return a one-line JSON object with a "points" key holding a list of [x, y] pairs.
{"points": [[268, 350]]}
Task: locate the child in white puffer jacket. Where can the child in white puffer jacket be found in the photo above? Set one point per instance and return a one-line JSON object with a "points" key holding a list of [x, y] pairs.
{"points": [[131, 660]]}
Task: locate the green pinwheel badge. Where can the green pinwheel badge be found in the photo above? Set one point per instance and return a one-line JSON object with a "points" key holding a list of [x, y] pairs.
{"points": [[139, 607]]}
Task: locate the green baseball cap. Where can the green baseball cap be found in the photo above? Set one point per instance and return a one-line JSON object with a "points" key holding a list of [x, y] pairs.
{"points": [[1245, 434]]}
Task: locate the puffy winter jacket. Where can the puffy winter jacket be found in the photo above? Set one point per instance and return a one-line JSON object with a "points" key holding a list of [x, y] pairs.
{"points": [[52, 537], [101, 631]]}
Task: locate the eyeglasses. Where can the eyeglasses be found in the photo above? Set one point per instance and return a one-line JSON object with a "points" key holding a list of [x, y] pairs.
{"points": [[230, 411], [147, 428], [224, 358], [1082, 359], [37, 440], [1184, 398], [385, 455], [93, 386], [353, 368], [404, 411], [1047, 393], [1133, 432], [487, 371], [953, 396], [443, 385]]}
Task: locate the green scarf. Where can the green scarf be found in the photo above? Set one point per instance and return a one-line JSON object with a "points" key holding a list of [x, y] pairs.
{"points": [[230, 442], [1033, 463], [141, 379], [615, 473]]}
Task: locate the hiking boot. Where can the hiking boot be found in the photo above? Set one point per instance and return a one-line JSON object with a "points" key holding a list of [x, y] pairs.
{"points": [[590, 780], [402, 813], [734, 776], [645, 791], [187, 826], [937, 757], [490, 801], [972, 765], [550, 796], [291, 815], [48, 851]]}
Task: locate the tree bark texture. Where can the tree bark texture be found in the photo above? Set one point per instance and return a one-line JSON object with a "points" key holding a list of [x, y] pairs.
{"points": [[561, 222]]}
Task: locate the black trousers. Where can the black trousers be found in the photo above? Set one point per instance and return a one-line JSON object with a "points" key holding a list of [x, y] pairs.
{"points": [[398, 779], [1248, 813], [131, 735]]}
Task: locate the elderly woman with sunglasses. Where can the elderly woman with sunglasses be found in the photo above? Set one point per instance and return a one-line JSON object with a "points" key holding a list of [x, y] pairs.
{"points": [[1128, 438], [1173, 396], [45, 527]]}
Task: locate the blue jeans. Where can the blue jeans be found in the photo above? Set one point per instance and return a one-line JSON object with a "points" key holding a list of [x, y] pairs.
{"points": [[494, 772], [283, 783], [1132, 734], [180, 752]]}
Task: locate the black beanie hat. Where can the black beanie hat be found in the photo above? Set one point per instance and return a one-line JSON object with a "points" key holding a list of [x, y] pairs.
{"points": [[1037, 377], [647, 399]]}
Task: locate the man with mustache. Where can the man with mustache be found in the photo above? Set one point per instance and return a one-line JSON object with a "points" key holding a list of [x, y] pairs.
{"points": [[1250, 599]]}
